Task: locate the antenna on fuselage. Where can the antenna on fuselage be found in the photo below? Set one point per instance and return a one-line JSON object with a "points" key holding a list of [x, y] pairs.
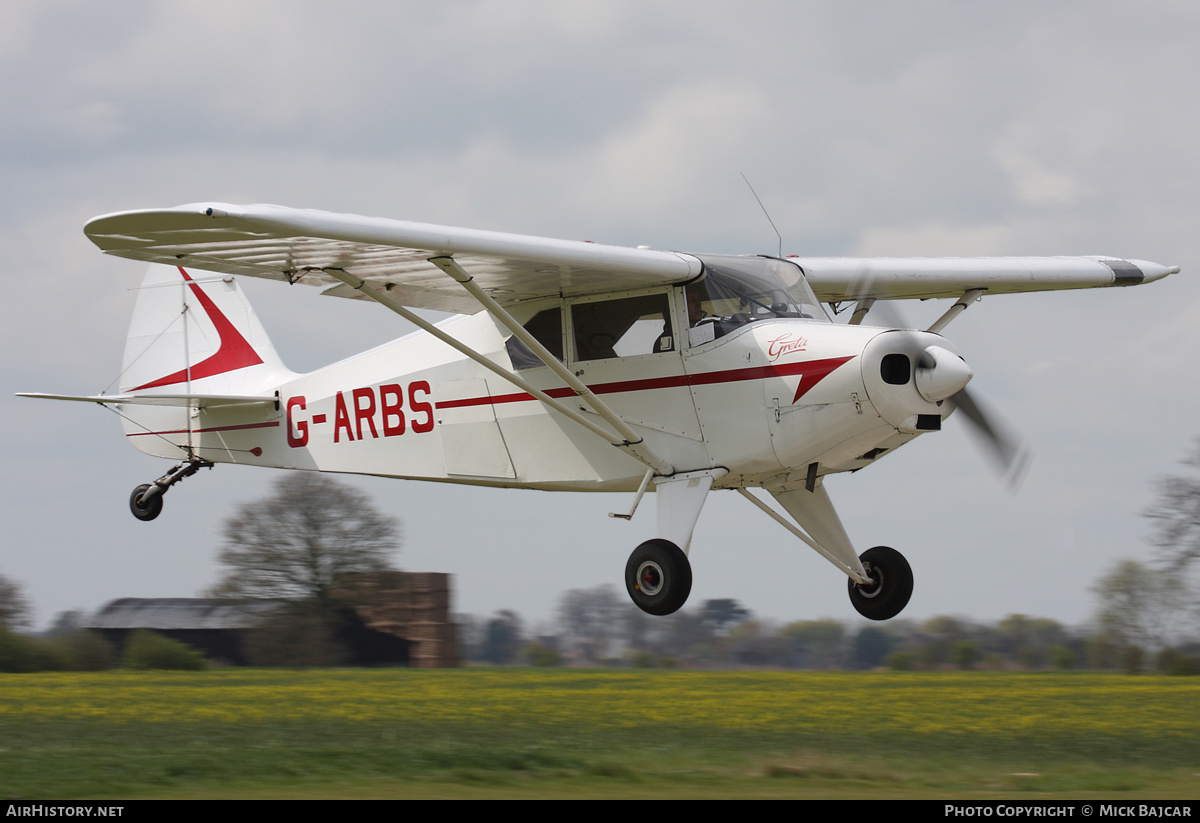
{"points": [[764, 208]]}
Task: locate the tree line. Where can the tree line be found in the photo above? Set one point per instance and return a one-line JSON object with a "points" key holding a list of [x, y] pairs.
{"points": [[597, 627]]}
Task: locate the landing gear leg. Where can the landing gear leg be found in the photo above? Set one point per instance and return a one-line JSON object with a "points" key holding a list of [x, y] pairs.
{"points": [[146, 501], [658, 575], [881, 580]]}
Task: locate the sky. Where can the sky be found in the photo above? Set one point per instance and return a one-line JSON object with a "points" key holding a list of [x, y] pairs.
{"points": [[866, 128]]}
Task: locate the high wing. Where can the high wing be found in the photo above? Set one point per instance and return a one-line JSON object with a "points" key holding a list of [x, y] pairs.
{"points": [[836, 279], [298, 245]]}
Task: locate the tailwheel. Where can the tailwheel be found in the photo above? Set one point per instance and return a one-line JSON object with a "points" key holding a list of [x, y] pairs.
{"points": [[146, 502], [143, 507], [658, 577], [892, 584]]}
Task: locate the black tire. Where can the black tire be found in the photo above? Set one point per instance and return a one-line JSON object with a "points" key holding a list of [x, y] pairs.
{"points": [[149, 510], [658, 577], [893, 585]]}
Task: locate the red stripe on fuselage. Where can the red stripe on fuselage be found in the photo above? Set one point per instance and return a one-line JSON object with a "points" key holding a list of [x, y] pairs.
{"points": [[811, 372], [234, 352]]}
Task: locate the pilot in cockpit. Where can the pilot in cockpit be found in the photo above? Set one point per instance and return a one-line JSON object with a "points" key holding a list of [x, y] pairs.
{"points": [[694, 299]]}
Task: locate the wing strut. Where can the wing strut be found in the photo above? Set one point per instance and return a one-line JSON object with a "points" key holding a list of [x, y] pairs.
{"points": [[633, 442], [969, 297], [845, 559], [660, 466], [860, 310]]}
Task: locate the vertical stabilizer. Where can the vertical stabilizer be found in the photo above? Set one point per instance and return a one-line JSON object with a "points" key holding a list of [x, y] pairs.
{"points": [[194, 332]]}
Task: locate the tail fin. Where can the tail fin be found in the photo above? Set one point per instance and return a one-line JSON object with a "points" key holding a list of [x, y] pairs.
{"points": [[195, 333], [195, 343]]}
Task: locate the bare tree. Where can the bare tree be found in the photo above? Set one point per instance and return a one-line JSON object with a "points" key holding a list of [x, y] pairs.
{"points": [[14, 608], [1140, 607], [1176, 515], [294, 544], [591, 619]]}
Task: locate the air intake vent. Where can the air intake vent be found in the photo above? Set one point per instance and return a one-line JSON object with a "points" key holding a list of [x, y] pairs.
{"points": [[895, 369]]}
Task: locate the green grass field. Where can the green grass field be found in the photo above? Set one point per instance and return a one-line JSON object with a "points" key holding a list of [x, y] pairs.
{"points": [[597, 733]]}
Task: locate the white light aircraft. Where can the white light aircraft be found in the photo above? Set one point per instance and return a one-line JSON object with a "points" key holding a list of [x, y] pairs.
{"points": [[571, 366]]}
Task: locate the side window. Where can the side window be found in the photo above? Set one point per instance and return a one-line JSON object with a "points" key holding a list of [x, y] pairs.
{"points": [[546, 328], [622, 328]]}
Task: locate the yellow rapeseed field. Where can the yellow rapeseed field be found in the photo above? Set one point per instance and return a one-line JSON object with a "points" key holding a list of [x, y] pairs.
{"points": [[943, 703]]}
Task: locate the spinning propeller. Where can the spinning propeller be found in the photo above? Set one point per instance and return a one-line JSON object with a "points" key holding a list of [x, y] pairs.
{"points": [[1008, 451], [938, 372]]}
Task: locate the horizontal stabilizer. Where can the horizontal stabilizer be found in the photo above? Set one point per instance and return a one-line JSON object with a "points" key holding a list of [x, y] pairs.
{"points": [[195, 401]]}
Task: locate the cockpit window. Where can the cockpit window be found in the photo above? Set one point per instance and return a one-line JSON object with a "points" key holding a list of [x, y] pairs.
{"points": [[735, 291], [624, 327]]}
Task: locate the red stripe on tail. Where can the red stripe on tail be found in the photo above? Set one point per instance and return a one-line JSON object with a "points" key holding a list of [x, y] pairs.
{"points": [[234, 353]]}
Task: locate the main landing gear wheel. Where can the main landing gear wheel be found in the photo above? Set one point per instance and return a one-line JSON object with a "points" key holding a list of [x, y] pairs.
{"points": [[145, 510], [888, 595], [658, 577]]}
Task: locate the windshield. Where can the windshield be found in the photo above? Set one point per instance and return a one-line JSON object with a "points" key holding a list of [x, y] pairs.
{"points": [[738, 290]]}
